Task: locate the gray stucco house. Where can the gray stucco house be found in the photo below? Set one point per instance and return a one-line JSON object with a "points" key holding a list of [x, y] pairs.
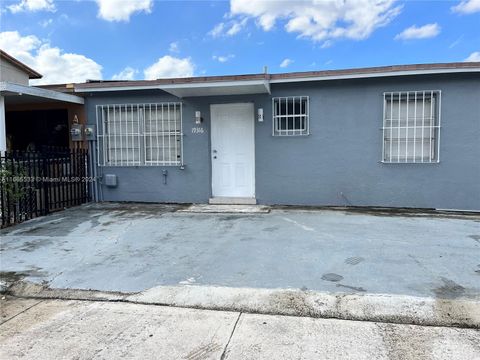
{"points": [[396, 136]]}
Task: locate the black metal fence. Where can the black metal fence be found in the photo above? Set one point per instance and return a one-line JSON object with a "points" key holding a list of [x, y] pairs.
{"points": [[39, 182]]}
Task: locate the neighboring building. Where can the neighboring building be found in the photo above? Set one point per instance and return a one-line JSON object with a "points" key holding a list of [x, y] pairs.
{"points": [[399, 136], [33, 117]]}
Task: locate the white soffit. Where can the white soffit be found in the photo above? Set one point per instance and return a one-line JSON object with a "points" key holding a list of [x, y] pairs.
{"points": [[10, 89], [217, 88], [375, 75]]}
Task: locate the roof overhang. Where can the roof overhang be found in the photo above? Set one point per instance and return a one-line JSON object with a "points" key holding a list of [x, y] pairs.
{"points": [[21, 94], [260, 83], [32, 74], [367, 75], [218, 88], [244, 87]]}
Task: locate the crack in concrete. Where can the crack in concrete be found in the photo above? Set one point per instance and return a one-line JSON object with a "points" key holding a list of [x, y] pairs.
{"points": [[224, 353], [21, 312]]}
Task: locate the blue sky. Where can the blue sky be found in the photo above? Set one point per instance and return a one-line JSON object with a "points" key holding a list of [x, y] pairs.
{"points": [[69, 41]]}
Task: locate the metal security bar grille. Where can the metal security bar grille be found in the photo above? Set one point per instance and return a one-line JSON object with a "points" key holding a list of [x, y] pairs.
{"points": [[290, 116], [411, 127], [140, 134]]}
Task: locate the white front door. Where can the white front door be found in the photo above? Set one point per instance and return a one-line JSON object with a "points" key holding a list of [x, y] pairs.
{"points": [[233, 150]]}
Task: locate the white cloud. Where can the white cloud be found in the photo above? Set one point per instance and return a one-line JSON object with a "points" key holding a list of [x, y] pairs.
{"points": [[236, 26], [126, 74], [285, 63], [320, 20], [474, 57], [169, 67], [55, 65], [327, 44], [231, 28], [467, 7], [217, 30], [45, 23], [32, 5], [224, 58], [422, 32], [121, 10], [174, 47]]}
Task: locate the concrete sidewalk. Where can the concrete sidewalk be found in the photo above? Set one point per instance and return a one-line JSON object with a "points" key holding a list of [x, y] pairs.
{"points": [[54, 329], [398, 309]]}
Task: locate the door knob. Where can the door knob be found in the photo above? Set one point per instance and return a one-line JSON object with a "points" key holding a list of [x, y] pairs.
{"points": [[214, 157]]}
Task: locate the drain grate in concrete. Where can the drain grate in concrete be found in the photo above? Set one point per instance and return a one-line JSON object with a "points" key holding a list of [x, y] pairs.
{"points": [[332, 277], [354, 260]]}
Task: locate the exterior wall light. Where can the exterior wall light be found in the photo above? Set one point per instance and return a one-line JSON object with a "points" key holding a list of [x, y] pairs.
{"points": [[260, 115], [198, 117]]}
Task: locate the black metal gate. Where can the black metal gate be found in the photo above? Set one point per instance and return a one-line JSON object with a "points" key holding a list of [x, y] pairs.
{"points": [[36, 183]]}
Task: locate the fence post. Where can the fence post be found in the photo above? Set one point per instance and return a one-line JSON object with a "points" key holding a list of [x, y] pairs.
{"points": [[46, 184]]}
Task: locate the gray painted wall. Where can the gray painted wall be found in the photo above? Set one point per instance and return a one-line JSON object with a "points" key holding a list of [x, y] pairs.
{"points": [[339, 163]]}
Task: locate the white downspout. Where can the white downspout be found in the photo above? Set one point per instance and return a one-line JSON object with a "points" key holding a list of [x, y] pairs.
{"points": [[3, 133]]}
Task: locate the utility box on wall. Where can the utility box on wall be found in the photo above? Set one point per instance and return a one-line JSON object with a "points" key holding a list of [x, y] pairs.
{"points": [[111, 180], [76, 132], [90, 132]]}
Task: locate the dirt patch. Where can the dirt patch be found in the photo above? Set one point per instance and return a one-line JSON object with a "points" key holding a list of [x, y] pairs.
{"points": [[449, 290], [9, 278], [32, 245], [405, 343], [380, 211], [293, 302], [354, 288], [475, 237], [204, 352], [270, 229], [141, 209], [233, 217], [457, 312]]}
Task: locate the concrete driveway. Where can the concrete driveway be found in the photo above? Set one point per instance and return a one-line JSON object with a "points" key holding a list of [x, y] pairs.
{"points": [[133, 247]]}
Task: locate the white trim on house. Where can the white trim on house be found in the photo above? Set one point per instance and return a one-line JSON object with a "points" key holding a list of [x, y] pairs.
{"points": [[375, 75], [9, 89], [218, 88], [241, 87]]}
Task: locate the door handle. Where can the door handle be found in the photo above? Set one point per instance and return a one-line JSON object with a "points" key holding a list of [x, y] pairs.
{"points": [[214, 157]]}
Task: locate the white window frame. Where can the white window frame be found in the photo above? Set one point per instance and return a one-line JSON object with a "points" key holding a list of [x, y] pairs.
{"points": [[305, 114], [159, 115], [432, 129]]}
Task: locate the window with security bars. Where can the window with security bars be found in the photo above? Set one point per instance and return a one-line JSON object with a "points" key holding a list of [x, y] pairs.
{"points": [[290, 116], [140, 134], [411, 127]]}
